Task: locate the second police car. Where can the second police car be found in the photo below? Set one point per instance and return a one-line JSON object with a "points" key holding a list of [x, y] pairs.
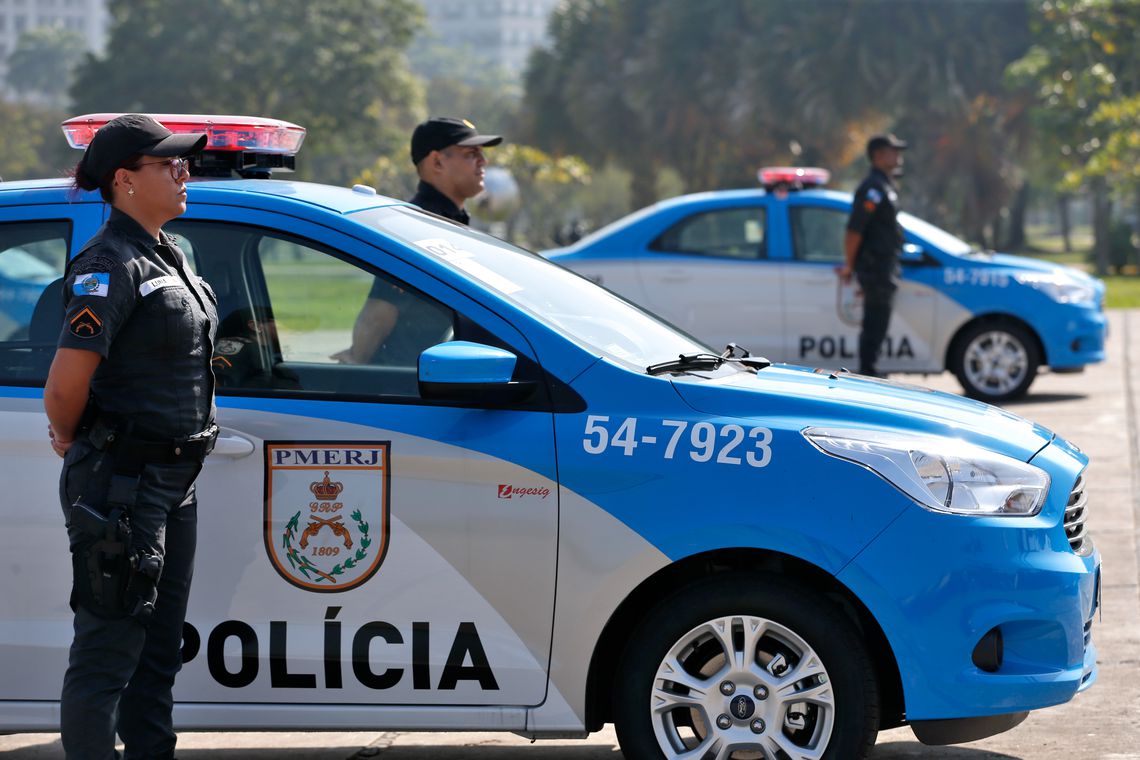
{"points": [[757, 267], [562, 513]]}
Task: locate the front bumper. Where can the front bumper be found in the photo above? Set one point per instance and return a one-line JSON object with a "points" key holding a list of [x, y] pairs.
{"points": [[937, 584], [1075, 337]]}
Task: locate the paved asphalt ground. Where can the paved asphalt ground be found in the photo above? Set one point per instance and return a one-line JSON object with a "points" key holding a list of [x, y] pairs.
{"points": [[1097, 410]]}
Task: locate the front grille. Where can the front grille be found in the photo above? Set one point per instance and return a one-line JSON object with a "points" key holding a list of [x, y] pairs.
{"points": [[1088, 632], [1075, 514]]}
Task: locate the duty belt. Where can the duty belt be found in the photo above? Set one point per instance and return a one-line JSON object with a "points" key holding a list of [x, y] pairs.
{"points": [[192, 448], [129, 448]]}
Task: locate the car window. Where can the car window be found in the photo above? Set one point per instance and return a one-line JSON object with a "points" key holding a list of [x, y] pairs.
{"points": [[936, 236], [817, 233], [32, 260], [736, 233], [287, 311], [593, 317]]}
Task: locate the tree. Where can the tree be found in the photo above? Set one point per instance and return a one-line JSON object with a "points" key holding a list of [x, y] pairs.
{"points": [[1086, 68], [31, 143], [336, 67], [715, 92], [43, 62]]}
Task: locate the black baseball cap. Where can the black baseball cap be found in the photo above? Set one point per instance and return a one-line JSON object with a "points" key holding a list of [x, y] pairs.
{"points": [[884, 141], [126, 136], [441, 132]]}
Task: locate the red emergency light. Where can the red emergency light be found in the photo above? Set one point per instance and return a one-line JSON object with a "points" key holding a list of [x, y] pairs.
{"points": [[227, 133], [792, 177], [249, 146]]}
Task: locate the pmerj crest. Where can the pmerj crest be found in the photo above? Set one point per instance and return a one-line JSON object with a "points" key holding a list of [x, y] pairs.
{"points": [[329, 533]]}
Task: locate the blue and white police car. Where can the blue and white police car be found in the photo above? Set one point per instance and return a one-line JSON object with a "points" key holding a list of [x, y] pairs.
{"points": [[757, 267], [561, 512]]}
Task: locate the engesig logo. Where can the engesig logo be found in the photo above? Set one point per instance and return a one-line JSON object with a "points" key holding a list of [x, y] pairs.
{"points": [[508, 491]]}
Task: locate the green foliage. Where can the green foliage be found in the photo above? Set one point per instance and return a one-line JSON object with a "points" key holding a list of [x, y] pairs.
{"points": [[714, 94], [1085, 66], [336, 67], [545, 189], [43, 61], [392, 174], [1118, 157], [31, 143]]}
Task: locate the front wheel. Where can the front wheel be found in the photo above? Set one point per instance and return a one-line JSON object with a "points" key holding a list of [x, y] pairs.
{"points": [[752, 667], [996, 361]]}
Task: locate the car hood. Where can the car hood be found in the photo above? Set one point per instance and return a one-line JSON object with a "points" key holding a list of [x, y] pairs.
{"points": [[1027, 264], [822, 398]]}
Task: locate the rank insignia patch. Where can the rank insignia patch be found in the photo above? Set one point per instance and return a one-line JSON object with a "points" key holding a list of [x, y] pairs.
{"points": [[93, 284], [85, 324], [326, 512]]}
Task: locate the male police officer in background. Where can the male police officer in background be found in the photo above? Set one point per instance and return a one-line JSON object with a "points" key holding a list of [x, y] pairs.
{"points": [[872, 246], [448, 154]]}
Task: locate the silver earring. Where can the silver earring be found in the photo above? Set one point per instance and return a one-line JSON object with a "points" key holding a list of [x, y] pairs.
{"points": [[130, 191]]}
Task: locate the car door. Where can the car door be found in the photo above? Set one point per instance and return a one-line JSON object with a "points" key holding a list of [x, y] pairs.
{"points": [[823, 315], [708, 273], [358, 544]]}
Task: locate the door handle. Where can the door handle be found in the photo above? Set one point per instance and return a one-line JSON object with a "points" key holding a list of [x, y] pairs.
{"points": [[233, 446]]}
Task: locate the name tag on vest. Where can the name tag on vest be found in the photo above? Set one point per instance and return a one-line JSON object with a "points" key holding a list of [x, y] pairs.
{"points": [[158, 283]]}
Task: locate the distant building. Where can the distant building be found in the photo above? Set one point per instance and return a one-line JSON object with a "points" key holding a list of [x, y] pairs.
{"points": [[502, 31], [87, 17]]}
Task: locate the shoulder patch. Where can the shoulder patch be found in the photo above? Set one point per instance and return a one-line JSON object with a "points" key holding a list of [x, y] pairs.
{"points": [[85, 324], [91, 284], [874, 195], [229, 346], [94, 262]]}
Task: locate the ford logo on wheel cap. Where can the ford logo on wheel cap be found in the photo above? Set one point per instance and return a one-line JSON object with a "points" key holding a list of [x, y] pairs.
{"points": [[741, 707]]}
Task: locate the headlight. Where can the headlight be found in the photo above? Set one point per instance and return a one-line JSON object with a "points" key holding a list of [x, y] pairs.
{"points": [[941, 474], [1059, 286]]}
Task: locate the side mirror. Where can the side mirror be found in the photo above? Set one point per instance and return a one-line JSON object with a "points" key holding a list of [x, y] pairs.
{"points": [[914, 255], [471, 373]]}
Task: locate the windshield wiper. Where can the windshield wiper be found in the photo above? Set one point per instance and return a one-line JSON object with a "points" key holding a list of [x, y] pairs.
{"points": [[687, 362]]}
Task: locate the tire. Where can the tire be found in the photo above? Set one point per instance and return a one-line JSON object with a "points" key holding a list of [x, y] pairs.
{"points": [[799, 684], [995, 361]]}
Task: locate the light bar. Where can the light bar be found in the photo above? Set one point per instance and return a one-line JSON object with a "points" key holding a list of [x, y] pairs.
{"points": [[797, 177], [225, 133]]}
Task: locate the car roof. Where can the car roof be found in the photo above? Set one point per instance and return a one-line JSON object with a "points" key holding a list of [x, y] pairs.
{"points": [[340, 200], [707, 199]]}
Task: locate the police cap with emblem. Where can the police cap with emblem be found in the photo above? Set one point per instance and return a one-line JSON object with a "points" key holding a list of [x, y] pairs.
{"points": [[879, 142], [441, 132], [130, 135]]}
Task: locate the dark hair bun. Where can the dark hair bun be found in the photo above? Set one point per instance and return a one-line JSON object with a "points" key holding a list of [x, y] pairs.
{"points": [[83, 180]]}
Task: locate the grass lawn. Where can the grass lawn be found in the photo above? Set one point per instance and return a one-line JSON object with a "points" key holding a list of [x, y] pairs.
{"points": [[1123, 292]]}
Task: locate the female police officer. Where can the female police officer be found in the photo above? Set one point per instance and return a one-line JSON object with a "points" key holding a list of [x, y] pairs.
{"points": [[130, 401]]}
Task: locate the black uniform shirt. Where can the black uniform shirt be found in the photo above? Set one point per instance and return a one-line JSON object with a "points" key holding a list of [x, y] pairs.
{"points": [[874, 215], [420, 323], [430, 199], [137, 304]]}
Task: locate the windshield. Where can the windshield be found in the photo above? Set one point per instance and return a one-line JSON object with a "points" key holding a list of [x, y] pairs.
{"points": [[592, 316], [939, 238]]}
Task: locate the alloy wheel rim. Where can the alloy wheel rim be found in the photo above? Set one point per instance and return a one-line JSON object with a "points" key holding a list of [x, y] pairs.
{"points": [[995, 362], [742, 687]]}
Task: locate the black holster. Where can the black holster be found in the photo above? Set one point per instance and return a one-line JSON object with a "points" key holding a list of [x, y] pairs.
{"points": [[112, 579], [100, 559]]}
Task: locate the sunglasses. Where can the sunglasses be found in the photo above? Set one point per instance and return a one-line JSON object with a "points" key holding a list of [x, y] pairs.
{"points": [[177, 166]]}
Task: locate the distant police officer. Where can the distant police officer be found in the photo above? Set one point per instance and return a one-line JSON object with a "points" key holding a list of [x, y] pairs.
{"points": [[392, 326], [872, 246], [130, 401]]}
